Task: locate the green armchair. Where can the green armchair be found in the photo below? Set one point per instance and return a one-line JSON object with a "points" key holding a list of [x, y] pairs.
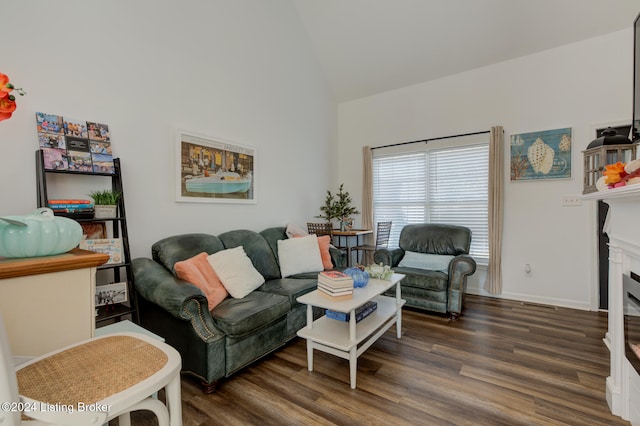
{"points": [[436, 263]]}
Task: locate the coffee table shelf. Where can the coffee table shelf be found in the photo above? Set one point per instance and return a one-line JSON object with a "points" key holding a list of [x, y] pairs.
{"points": [[349, 340]]}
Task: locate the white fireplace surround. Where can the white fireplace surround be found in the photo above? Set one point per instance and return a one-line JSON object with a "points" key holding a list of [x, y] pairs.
{"points": [[621, 225]]}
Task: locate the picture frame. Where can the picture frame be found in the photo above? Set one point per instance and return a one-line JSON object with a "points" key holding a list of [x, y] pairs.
{"points": [[110, 246], [214, 170], [94, 230], [109, 294], [541, 155]]}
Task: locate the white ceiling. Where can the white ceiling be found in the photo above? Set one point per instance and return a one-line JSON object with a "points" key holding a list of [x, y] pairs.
{"points": [[371, 46]]}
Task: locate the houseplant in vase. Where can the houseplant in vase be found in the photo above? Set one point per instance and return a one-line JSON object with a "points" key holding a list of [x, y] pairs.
{"points": [[344, 209], [105, 203], [338, 207]]}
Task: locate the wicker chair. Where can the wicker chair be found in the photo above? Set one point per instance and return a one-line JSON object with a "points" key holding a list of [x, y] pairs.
{"points": [[324, 228], [383, 230], [129, 367]]}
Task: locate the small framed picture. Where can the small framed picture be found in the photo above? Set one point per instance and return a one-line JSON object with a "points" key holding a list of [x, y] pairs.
{"points": [[110, 246], [94, 230], [109, 294]]}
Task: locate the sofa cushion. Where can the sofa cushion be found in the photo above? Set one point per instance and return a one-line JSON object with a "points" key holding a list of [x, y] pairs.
{"points": [[173, 249], [432, 262], [199, 272], [292, 288], [256, 247], [236, 271], [238, 317], [299, 255], [421, 278]]}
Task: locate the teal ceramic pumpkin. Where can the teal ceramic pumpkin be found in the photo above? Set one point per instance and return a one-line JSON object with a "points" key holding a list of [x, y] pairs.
{"points": [[43, 235]]}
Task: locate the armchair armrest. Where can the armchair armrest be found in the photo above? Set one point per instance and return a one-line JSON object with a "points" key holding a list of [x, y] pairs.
{"points": [[338, 257], [459, 268], [389, 257], [179, 298]]}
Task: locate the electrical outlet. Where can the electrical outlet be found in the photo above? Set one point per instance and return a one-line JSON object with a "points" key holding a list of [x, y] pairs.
{"points": [[571, 201]]}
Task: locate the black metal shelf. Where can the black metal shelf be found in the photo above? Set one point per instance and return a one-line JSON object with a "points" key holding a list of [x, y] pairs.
{"points": [[118, 229]]}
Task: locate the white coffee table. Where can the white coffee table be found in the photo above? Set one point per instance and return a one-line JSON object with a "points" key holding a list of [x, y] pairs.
{"points": [[349, 340]]}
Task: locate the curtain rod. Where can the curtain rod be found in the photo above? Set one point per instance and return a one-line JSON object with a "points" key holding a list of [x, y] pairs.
{"points": [[432, 139]]}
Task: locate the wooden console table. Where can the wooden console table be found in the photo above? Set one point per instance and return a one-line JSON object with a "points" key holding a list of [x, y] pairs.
{"points": [[49, 302]]}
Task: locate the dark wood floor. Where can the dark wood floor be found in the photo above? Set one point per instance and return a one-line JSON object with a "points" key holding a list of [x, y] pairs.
{"points": [[502, 363]]}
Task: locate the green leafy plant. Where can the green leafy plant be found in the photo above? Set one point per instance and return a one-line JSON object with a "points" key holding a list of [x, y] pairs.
{"points": [[338, 206], [105, 197]]}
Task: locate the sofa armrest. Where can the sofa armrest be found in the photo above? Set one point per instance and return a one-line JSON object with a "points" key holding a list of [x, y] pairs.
{"points": [[338, 257], [389, 257], [179, 298]]}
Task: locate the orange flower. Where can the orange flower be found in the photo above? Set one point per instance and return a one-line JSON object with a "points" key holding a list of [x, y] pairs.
{"points": [[614, 173], [7, 100], [5, 86]]}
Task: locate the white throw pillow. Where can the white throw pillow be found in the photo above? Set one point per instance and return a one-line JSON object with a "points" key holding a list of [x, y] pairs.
{"points": [[236, 272], [299, 255], [431, 262], [295, 231]]}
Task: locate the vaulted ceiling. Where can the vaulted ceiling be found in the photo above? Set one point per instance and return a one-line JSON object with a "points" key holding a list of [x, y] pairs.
{"points": [[371, 46]]}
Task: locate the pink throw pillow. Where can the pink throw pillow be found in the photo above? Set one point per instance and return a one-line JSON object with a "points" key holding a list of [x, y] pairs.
{"points": [[323, 243], [199, 272]]}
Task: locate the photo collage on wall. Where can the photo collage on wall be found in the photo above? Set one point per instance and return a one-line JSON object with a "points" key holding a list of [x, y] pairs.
{"points": [[74, 145]]}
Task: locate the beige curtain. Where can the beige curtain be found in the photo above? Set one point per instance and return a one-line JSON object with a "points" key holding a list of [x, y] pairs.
{"points": [[493, 283], [367, 200]]}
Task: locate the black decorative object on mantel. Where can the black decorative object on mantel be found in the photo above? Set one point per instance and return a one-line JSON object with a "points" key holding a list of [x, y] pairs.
{"points": [[609, 148]]}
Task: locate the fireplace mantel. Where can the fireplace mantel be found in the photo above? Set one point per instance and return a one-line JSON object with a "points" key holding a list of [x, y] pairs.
{"points": [[621, 226]]}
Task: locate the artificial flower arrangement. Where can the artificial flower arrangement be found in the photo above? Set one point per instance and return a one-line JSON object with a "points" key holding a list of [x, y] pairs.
{"points": [[7, 100], [383, 272], [619, 174]]}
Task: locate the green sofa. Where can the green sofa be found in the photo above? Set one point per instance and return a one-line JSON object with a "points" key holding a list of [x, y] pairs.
{"points": [[237, 332], [437, 280]]}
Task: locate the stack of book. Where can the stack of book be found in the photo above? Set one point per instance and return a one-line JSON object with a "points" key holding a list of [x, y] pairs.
{"points": [[72, 208], [336, 285], [361, 312]]}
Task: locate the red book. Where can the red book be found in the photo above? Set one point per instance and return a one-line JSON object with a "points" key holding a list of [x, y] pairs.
{"points": [[70, 201]]}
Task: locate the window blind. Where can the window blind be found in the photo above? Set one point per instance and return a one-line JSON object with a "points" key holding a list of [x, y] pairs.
{"points": [[447, 185]]}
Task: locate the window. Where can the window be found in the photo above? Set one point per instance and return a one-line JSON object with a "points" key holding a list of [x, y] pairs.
{"points": [[448, 185]]}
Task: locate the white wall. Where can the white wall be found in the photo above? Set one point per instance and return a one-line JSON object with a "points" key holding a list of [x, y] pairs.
{"points": [[241, 70], [578, 85]]}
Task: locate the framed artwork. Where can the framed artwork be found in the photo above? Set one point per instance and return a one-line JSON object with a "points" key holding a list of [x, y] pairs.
{"points": [[108, 294], [94, 230], [213, 170], [541, 155]]}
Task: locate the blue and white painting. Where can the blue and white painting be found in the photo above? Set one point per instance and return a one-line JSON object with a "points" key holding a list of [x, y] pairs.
{"points": [[541, 155]]}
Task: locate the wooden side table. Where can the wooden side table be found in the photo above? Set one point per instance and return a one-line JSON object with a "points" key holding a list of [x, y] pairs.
{"points": [[348, 236]]}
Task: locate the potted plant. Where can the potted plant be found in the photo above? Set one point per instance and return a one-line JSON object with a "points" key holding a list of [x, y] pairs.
{"points": [[105, 203], [338, 207]]}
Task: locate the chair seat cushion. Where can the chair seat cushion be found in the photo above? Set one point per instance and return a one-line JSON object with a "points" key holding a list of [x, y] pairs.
{"points": [[292, 288], [433, 262], [238, 317], [420, 278]]}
